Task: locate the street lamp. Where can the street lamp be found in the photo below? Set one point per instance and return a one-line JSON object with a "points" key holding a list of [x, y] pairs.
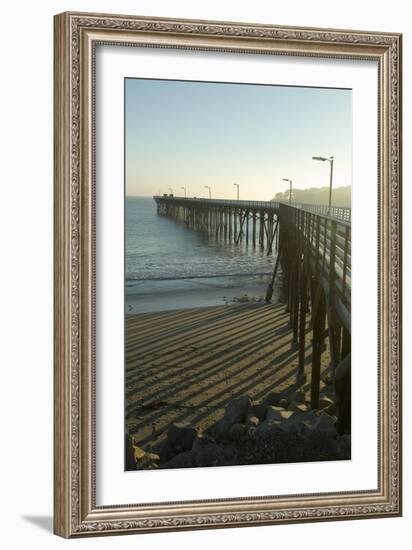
{"points": [[184, 189], [330, 159], [210, 192], [290, 189], [237, 185]]}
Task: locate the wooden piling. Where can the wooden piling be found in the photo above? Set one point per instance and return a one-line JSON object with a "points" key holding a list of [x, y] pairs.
{"points": [[302, 320], [318, 323], [261, 229]]}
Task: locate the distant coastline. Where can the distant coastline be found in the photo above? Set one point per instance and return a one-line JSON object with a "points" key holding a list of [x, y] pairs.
{"points": [[341, 196]]}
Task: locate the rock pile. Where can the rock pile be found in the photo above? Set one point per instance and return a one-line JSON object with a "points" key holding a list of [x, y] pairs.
{"points": [[279, 428]]}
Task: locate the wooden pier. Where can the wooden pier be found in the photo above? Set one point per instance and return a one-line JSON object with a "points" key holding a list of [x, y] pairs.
{"points": [[312, 245]]}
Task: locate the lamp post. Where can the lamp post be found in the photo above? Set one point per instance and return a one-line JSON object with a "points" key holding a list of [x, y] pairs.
{"points": [[184, 189], [210, 192], [290, 189], [237, 185], [330, 159]]}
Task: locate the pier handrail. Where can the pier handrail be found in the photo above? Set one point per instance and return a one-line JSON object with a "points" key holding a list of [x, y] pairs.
{"points": [[339, 212]]}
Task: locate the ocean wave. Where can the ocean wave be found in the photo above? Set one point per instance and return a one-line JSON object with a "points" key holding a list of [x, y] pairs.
{"points": [[133, 277]]}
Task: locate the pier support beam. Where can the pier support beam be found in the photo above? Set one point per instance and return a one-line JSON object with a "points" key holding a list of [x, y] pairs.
{"points": [[318, 322]]}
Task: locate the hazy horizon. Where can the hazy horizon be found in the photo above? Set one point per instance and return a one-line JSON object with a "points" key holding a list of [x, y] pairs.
{"points": [[192, 134], [206, 193]]}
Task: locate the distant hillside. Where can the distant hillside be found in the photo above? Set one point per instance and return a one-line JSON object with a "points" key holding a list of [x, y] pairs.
{"points": [[341, 196]]}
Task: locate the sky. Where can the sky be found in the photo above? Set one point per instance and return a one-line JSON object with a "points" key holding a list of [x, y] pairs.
{"points": [[192, 134]]}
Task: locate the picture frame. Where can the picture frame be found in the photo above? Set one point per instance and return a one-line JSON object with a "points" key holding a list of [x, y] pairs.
{"points": [[76, 510]]}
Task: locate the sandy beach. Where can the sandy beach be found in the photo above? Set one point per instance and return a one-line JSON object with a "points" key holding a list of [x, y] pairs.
{"points": [[154, 296], [186, 365]]}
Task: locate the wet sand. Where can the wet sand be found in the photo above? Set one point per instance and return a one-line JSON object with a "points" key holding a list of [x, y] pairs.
{"points": [[187, 365]]}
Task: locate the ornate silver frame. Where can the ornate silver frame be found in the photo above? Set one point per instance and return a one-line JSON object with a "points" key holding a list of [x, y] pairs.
{"points": [[75, 38]]}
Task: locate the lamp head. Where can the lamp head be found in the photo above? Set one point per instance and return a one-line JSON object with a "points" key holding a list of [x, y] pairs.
{"points": [[319, 158]]}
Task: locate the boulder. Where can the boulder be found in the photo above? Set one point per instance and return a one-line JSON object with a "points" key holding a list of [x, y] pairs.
{"points": [[252, 431], [298, 396], [278, 413], [235, 413], [273, 398], [181, 460], [181, 436], [164, 449], [144, 460], [331, 409], [139, 453], [325, 423], [343, 446], [298, 407], [258, 410], [325, 401], [204, 451], [327, 379], [251, 421], [237, 430], [300, 423], [268, 428]]}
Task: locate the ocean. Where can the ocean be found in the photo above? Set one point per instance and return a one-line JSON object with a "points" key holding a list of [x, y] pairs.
{"points": [[169, 266]]}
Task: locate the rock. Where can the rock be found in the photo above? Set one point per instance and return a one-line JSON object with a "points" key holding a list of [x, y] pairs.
{"points": [[298, 407], [325, 423], [237, 430], [252, 431], [199, 441], [204, 451], [152, 458], [331, 409], [300, 423], [325, 401], [278, 413], [343, 446], [258, 410], [181, 436], [139, 453], [252, 421], [298, 396], [182, 460], [327, 379], [268, 428], [273, 398], [235, 413], [164, 450], [144, 460]]}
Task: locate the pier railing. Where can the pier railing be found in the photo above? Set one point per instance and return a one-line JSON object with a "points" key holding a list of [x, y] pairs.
{"points": [[338, 212]]}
